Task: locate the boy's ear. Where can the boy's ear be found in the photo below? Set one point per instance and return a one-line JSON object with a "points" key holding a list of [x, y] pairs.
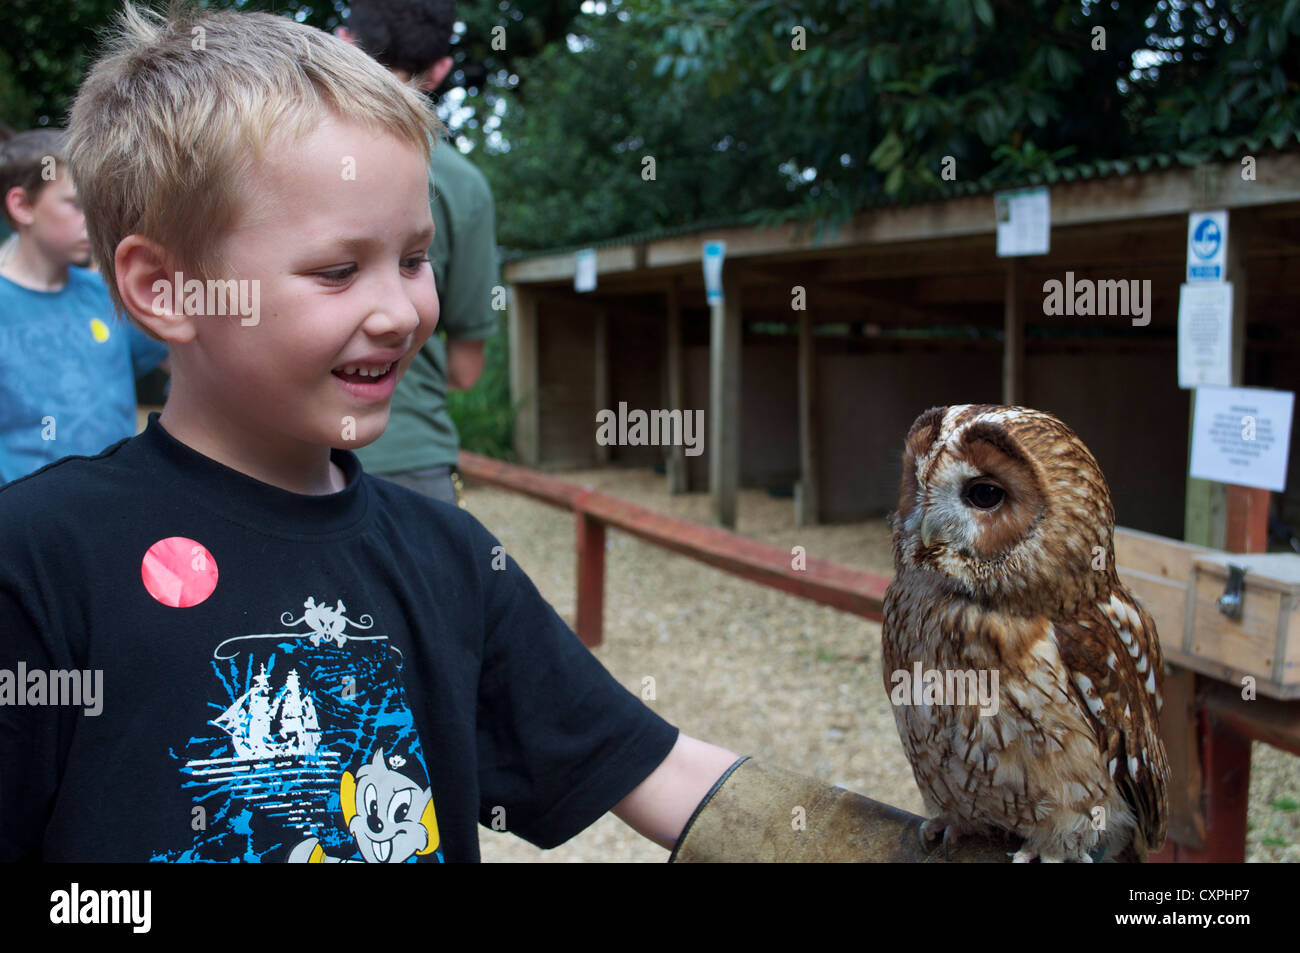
{"points": [[145, 280], [20, 210], [432, 77], [346, 35]]}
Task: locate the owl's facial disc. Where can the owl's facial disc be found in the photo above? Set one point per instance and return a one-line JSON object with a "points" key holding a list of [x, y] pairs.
{"points": [[981, 494], [1002, 501], [975, 503], [947, 518]]}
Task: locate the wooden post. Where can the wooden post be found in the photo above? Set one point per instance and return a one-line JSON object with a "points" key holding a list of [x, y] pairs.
{"points": [[603, 451], [1226, 755], [807, 506], [591, 579], [1180, 730], [1216, 758], [523, 374], [1225, 751], [724, 400], [678, 477], [1248, 519], [1013, 337], [1205, 519]]}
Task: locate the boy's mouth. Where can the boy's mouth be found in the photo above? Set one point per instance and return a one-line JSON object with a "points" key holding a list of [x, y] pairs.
{"points": [[363, 375]]}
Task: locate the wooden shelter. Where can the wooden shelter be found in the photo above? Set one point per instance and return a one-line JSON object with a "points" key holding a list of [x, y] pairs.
{"points": [[905, 308]]}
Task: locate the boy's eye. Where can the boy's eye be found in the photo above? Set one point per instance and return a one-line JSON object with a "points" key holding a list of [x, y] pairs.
{"points": [[338, 276]]}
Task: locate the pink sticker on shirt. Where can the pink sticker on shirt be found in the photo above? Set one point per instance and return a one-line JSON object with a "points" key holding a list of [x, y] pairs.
{"points": [[179, 572]]}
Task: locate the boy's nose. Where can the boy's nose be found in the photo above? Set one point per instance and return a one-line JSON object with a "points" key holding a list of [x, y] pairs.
{"points": [[397, 312]]}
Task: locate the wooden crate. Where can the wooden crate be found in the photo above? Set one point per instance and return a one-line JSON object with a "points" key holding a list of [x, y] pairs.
{"points": [[1180, 585], [1265, 641]]}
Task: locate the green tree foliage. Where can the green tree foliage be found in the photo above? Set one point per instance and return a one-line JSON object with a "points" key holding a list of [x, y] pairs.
{"points": [[885, 89], [606, 146], [44, 49], [46, 46], [487, 59]]}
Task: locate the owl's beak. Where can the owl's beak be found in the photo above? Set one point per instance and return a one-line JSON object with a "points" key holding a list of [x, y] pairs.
{"points": [[928, 530]]}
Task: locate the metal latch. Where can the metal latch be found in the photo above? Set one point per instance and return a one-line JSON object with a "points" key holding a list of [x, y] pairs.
{"points": [[1230, 602]]}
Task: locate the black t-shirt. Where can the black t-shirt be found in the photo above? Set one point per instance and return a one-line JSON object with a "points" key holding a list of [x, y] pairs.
{"points": [[195, 665]]}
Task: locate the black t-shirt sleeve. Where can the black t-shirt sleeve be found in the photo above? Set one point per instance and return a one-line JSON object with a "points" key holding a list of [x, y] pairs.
{"points": [[560, 741]]}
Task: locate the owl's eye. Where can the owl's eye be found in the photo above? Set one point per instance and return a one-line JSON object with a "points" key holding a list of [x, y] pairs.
{"points": [[984, 496]]}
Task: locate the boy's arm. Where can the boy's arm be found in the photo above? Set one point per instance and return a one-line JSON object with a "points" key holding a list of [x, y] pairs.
{"points": [[468, 288], [659, 807], [464, 363]]}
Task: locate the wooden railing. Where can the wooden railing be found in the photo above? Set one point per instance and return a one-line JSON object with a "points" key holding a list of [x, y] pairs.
{"points": [[820, 580]]}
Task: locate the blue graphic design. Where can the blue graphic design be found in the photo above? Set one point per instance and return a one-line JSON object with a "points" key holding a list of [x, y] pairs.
{"points": [[311, 754]]}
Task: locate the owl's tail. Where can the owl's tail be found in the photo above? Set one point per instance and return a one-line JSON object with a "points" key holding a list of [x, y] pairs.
{"points": [[1135, 851]]}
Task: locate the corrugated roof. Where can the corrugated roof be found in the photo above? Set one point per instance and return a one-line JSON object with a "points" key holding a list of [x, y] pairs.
{"points": [[1079, 172]]}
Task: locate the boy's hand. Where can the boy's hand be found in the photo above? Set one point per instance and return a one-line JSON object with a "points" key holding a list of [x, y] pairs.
{"points": [[660, 806]]}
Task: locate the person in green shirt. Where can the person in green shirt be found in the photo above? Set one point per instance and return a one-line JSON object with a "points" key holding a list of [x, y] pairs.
{"points": [[420, 447]]}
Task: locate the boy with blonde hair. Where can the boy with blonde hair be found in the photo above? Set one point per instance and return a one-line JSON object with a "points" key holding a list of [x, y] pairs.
{"points": [[228, 641], [67, 368]]}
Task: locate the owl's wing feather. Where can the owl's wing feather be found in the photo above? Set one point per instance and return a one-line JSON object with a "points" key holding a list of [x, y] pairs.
{"points": [[1113, 654]]}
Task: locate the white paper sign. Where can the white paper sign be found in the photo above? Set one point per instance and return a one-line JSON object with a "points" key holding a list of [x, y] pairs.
{"points": [[1205, 335], [584, 270], [1024, 222], [1242, 435], [714, 254], [1207, 246]]}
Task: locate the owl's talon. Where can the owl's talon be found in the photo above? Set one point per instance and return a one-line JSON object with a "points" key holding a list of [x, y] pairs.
{"points": [[938, 829]]}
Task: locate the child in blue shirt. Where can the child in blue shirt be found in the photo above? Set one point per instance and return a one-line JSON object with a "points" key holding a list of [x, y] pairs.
{"points": [[67, 365]]}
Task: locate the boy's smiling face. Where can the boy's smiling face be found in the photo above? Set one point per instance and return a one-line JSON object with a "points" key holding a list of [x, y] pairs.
{"points": [[335, 228]]}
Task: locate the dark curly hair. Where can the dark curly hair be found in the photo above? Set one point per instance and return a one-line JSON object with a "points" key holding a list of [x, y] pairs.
{"points": [[409, 35]]}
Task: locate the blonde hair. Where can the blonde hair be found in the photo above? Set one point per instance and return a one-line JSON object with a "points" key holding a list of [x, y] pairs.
{"points": [[177, 109]]}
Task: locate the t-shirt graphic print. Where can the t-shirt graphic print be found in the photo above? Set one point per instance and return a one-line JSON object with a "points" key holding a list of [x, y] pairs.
{"points": [[311, 754]]}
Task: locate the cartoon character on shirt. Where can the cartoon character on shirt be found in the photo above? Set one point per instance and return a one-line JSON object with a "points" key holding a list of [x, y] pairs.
{"points": [[388, 815]]}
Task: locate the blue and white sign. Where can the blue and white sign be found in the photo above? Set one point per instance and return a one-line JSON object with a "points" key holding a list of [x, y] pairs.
{"points": [[584, 270], [714, 254], [1207, 246]]}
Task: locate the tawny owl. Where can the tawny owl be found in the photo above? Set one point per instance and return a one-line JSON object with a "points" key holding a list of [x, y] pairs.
{"points": [[1005, 581]]}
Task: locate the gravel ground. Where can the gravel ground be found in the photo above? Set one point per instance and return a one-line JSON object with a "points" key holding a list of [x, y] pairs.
{"points": [[753, 669]]}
